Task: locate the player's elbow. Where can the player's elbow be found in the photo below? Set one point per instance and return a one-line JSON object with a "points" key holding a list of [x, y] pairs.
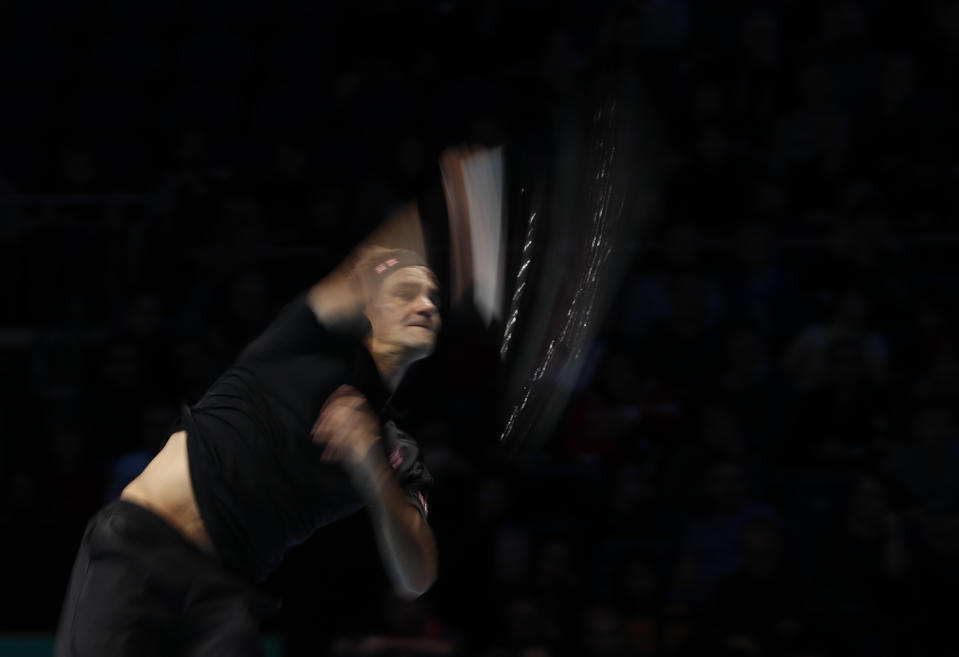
{"points": [[414, 589], [417, 581], [408, 594]]}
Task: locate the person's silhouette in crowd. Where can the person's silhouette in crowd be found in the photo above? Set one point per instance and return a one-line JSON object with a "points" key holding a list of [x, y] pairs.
{"points": [[763, 600], [711, 547], [410, 629], [863, 568]]}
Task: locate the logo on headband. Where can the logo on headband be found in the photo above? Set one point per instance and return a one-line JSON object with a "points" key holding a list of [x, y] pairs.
{"points": [[383, 266]]}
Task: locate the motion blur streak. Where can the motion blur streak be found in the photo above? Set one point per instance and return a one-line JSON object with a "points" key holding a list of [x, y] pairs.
{"points": [[598, 204]]}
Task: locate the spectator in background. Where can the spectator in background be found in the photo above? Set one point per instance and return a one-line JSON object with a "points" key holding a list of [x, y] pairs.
{"points": [[708, 190], [865, 252], [482, 559], [142, 326], [72, 479], [854, 67], [648, 295], [928, 337], [511, 560], [560, 62], [143, 321], [925, 473], [841, 423], [758, 80], [810, 144], [682, 351], [604, 632], [939, 374], [523, 628], [632, 504], [326, 216], [410, 628], [761, 601], [193, 177], [711, 547], [240, 223], [719, 439], [81, 169], [862, 565], [807, 357], [755, 392], [606, 416], [284, 192], [194, 181], [665, 25], [411, 166], [710, 106], [889, 125], [116, 397], [639, 593], [558, 585], [759, 291]]}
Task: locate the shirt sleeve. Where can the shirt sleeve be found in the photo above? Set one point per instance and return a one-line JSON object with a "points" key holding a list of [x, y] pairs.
{"points": [[406, 459], [296, 331]]}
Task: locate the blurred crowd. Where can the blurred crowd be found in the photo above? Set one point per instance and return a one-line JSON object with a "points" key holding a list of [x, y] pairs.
{"points": [[761, 456]]}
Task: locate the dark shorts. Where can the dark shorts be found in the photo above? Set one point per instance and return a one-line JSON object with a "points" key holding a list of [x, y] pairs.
{"points": [[139, 588]]}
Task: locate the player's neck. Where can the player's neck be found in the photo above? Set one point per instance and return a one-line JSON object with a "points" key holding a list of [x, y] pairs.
{"points": [[390, 361]]}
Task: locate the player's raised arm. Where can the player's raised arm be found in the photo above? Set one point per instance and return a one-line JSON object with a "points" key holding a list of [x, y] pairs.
{"points": [[472, 184], [338, 299]]}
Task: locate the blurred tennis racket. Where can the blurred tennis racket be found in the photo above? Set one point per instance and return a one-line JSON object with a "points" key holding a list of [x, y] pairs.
{"points": [[540, 237]]}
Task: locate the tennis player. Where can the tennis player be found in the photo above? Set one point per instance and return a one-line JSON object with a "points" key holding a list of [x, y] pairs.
{"points": [[298, 433]]}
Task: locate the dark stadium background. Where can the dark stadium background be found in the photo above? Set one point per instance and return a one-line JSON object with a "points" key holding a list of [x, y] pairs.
{"points": [[761, 457]]}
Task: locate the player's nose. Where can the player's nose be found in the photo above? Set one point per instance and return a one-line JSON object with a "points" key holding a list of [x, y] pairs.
{"points": [[426, 307]]}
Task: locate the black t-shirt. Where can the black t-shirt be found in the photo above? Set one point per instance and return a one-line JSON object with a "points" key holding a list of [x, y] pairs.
{"points": [[259, 482]]}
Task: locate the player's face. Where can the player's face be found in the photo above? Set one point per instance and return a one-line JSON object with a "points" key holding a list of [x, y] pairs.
{"points": [[404, 311]]}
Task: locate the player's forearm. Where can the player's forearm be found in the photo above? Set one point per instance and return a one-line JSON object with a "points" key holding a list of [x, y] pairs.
{"points": [[335, 300], [404, 538], [406, 544]]}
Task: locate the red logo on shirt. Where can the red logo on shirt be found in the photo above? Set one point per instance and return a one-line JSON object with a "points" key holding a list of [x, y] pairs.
{"points": [[396, 457]]}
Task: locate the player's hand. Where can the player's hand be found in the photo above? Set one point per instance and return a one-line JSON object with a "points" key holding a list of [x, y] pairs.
{"points": [[346, 426]]}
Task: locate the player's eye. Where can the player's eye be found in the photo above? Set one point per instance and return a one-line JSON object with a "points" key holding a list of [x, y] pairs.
{"points": [[404, 291]]}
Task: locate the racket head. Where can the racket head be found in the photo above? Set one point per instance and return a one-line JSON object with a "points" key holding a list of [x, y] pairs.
{"points": [[576, 209], [573, 192]]}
